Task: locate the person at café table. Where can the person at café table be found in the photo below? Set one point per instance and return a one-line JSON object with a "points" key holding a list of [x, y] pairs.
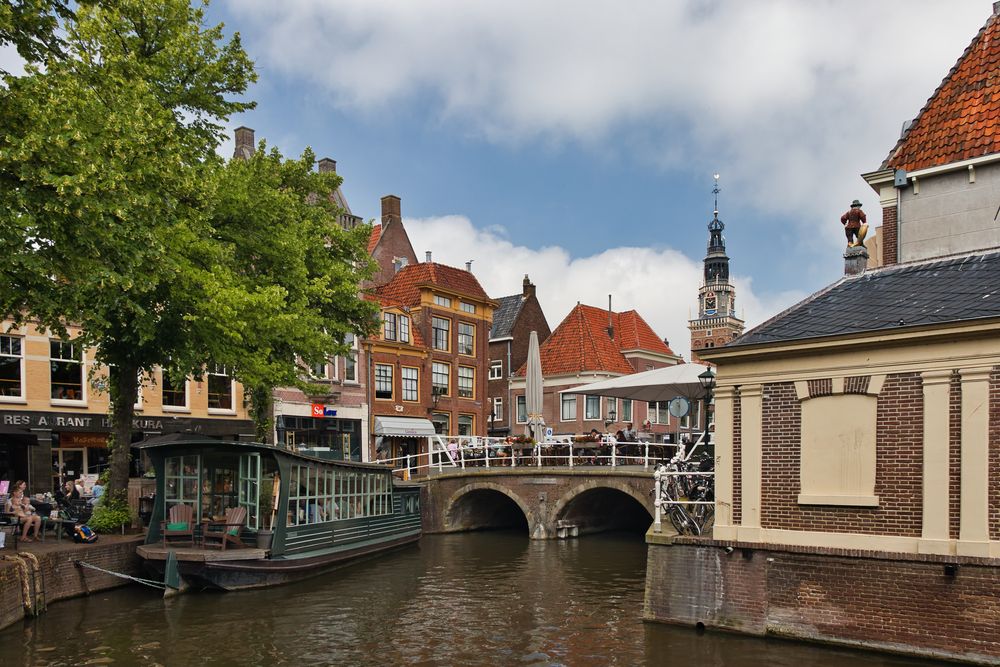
{"points": [[19, 505], [629, 434], [68, 492]]}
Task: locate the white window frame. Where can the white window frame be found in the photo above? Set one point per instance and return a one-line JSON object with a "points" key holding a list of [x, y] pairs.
{"points": [[458, 382], [392, 382], [623, 416], [591, 402], [83, 375], [611, 403], [443, 301], [403, 328], [21, 398], [496, 369], [436, 372], [187, 395], [388, 318], [447, 338], [232, 392], [520, 407], [353, 353], [416, 383], [566, 400], [467, 307], [497, 409], [472, 326]]}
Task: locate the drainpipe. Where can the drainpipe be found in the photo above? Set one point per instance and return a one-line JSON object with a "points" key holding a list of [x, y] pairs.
{"points": [[510, 406], [368, 397]]}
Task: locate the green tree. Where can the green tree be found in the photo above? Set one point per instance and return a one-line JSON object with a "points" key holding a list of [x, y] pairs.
{"points": [[119, 216], [31, 26], [279, 220]]}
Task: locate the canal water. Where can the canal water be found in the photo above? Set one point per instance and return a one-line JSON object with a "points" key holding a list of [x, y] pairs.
{"points": [[469, 599]]}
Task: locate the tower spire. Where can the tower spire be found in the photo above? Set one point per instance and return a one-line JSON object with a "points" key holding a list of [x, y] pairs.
{"points": [[716, 191]]}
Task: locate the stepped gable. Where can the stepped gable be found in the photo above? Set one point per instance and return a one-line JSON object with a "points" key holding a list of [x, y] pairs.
{"points": [[961, 120], [505, 316], [404, 288], [374, 237], [933, 292], [581, 342]]}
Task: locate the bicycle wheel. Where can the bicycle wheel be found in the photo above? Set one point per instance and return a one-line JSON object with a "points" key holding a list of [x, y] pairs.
{"points": [[677, 520]]}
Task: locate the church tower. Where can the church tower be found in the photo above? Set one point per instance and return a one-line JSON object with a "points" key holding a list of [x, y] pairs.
{"points": [[716, 323]]}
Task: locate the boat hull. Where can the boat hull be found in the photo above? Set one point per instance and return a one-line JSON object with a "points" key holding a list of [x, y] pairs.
{"points": [[203, 570]]}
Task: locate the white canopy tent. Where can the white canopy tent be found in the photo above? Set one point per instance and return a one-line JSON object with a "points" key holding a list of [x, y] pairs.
{"points": [[659, 384]]}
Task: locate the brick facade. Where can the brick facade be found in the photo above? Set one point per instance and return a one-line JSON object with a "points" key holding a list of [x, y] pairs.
{"points": [[898, 470], [889, 235], [865, 599]]}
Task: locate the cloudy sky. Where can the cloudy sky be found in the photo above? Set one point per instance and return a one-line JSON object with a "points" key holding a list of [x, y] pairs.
{"points": [[575, 140]]}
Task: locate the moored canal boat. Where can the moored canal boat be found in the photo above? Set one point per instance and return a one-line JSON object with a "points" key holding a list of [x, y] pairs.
{"points": [[300, 515]]}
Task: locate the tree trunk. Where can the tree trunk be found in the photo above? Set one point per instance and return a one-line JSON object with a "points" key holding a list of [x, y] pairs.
{"points": [[124, 391], [262, 409]]}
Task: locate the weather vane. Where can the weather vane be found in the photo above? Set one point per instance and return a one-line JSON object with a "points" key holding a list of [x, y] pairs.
{"points": [[716, 191]]}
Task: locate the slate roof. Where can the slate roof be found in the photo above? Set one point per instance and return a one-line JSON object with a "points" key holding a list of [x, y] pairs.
{"points": [[939, 291], [506, 314], [961, 120], [581, 342], [404, 288]]}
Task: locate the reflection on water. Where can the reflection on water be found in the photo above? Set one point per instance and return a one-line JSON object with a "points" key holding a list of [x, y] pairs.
{"points": [[471, 599]]}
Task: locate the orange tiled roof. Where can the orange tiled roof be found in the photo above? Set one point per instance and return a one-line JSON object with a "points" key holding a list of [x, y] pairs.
{"points": [[961, 120], [581, 342], [404, 287], [373, 238]]}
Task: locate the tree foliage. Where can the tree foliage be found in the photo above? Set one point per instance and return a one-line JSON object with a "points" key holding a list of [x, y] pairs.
{"points": [[119, 216]]}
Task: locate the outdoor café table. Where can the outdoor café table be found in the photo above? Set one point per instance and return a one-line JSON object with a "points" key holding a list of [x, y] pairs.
{"points": [[59, 524]]}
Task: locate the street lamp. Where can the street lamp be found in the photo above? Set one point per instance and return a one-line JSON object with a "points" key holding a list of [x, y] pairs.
{"points": [[612, 418], [707, 380], [491, 418]]}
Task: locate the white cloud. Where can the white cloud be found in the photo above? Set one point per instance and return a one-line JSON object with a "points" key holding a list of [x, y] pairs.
{"points": [[791, 100], [661, 284]]}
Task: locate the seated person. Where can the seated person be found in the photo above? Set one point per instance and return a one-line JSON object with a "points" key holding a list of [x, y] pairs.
{"points": [[67, 492], [97, 491], [629, 434], [19, 505], [594, 435]]}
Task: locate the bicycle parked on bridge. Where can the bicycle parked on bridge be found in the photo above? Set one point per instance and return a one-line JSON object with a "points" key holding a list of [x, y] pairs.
{"points": [[687, 492]]}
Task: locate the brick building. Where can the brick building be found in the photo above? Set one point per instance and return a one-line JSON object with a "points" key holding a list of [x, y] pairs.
{"points": [[427, 369], [54, 412], [858, 432], [514, 319], [593, 344], [334, 415]]}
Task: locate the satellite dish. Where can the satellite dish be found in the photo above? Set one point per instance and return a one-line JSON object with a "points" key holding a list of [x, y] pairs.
{"points": [[679, 407]]}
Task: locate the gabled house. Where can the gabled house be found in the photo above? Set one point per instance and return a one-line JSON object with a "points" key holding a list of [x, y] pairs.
{"points": [[514, 319], [592, 344], [857, 449]]}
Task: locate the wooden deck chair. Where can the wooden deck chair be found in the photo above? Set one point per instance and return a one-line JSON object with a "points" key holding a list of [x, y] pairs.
{"points": [[221, 533], [179, 527]]}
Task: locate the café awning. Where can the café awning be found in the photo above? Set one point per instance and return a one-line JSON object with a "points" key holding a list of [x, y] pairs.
{"points": [[403, 426]]}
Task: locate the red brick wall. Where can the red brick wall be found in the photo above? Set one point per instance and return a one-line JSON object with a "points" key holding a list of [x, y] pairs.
{"points": [[955, 455], [898, 473], [889, 234], [63, 579], [857, 384], [868, 599]]}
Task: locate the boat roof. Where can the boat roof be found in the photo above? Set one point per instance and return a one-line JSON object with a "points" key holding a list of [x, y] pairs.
{"points": [[173, 440]]}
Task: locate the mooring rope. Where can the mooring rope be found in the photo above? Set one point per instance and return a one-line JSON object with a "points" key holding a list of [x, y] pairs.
{"points": [[138, 580], [32, 595]]}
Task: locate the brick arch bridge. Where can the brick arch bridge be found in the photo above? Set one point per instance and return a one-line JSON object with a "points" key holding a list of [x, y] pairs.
{"points": [[539, 500]]}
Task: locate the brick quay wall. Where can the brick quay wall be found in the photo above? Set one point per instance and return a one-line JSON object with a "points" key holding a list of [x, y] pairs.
{"points": [[901, 603], [60, 578]]}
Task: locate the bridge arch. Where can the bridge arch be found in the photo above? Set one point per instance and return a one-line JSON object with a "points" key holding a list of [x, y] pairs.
{"points": [[485, 506], [604, 504]]}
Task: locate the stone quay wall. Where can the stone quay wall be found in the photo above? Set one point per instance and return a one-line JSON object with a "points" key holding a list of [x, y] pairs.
{"points": [[943, 607], [57, 576]]}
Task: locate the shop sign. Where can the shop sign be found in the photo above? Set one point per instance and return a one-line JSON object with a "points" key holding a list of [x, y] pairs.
{"points": [[73, 439], [319, 411]]}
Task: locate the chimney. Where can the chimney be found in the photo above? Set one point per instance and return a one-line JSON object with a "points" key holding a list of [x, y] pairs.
{"points": [[468, 266], [327, 165], [855, 260], [390, 210], [527, 287], [427, 257], [244, 143], [611, 327]]}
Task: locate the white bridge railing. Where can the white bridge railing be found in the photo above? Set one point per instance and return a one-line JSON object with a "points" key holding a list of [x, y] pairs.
{"points": [[461, 452]]}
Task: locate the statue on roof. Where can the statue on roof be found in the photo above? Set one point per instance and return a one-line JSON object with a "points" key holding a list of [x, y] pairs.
{"points": [[855, 224]]}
